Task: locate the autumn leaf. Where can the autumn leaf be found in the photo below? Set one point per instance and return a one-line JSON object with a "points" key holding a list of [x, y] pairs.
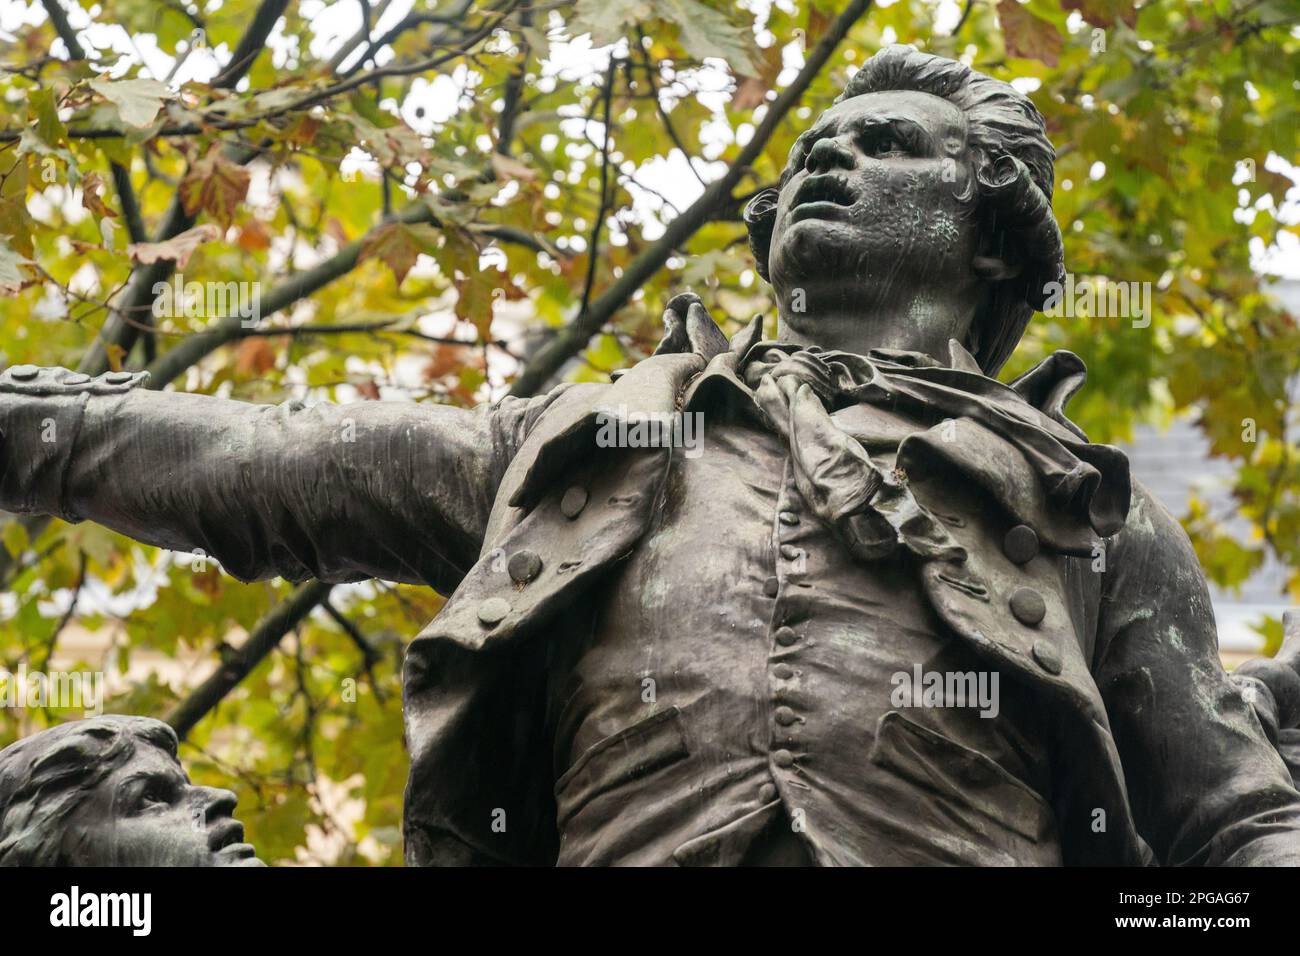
{"points": [[90, 199], [138, 101], [818, 22], [507, 167], [1103, 13], [255, 355], [704, 31], [216, 186], [1028, 36], [399, 244], [444, 360], [253, 236], [115, 354], [178, 249], [11, 277], [751, 91], [474, 304]]}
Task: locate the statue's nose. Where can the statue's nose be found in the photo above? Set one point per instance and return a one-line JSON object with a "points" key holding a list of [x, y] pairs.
{"points": [[215, 803], [829, 154]]}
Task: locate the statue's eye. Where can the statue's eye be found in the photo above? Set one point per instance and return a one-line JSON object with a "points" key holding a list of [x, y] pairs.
{"points": [[808, 148], [887, 144], [158, 791]]}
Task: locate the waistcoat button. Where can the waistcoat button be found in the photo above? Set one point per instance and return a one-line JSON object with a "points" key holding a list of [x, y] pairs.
{"points": [[785, 636], [1048, 657], [1020, 544], [574, 500], [524, 565], [493, 611], [1027, 606]]}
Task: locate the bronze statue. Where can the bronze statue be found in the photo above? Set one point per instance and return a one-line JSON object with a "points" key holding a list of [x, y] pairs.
{"points": [[109, 791], [758, 650]]}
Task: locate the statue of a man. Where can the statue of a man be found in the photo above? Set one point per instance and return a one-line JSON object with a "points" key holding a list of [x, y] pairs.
{"points": [[109, 791], [890, 611]]}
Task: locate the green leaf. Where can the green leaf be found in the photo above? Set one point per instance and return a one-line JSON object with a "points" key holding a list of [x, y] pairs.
{"points": [[41, 103], [138, 101]]}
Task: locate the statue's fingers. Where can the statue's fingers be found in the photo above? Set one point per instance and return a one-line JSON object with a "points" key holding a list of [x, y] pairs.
{"points": [[706, 338], [681, 302]]}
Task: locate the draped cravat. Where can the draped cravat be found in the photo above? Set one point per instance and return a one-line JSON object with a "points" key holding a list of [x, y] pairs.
{"points": [[871, 508]]}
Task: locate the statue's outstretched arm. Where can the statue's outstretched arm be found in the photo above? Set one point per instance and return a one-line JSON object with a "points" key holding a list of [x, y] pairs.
{"points": [[395, 490], [1206, 785]]}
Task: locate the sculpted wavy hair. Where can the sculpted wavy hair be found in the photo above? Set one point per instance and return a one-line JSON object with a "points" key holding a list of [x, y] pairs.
{"points": [[1011, 163], [45, 777]]}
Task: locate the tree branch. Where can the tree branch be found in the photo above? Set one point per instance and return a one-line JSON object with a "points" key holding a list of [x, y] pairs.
{"points": [[59, 17], [602, 210], [232, 328], [574, 337], [251, 44], [361, 36], [263, 639]]}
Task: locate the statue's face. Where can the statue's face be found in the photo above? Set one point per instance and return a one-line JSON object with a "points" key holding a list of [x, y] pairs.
{"points": [[147, 813], [874, 207]]}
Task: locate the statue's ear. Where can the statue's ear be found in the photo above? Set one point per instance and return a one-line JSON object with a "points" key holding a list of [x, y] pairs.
{"points": [[760, 217]]}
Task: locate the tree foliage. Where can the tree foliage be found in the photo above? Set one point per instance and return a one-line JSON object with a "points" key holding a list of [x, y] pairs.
{"points": [[442, 201]]}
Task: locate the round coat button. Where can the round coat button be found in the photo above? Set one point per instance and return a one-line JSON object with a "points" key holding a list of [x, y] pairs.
{"points": [[790, 552], [771, 586], [785, 716], [1020, 544], [783, 758], [76, 378], [118, 378], [1048, 657], [788, 518], [493, 611], [1027, 606], [574, 500], [23, 373], [524, 565], [783, 671], [785, 636], [767, 793]]}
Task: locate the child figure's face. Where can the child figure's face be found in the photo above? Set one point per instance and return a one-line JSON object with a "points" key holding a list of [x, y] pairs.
{"points": [[147, 813]]}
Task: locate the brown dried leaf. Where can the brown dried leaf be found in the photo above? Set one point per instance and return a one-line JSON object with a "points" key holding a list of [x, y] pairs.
{"points": [[90, 199], [179, 248], [1027, 36], [216, 186]]}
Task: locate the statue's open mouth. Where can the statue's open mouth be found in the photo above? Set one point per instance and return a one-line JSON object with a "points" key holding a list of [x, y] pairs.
{"points": [[228, 835], [821, 195]]}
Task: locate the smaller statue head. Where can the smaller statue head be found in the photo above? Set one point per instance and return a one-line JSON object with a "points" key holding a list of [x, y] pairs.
{"points": [[110, 791]]}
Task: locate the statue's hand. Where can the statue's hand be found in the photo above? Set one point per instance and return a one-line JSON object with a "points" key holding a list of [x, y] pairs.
{"points": [[1272, 684], [35, 380]]}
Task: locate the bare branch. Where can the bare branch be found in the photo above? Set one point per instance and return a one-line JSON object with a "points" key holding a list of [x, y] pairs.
{"points": [[59, 18], [251, 44], [574, 337], [602, 210]]}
